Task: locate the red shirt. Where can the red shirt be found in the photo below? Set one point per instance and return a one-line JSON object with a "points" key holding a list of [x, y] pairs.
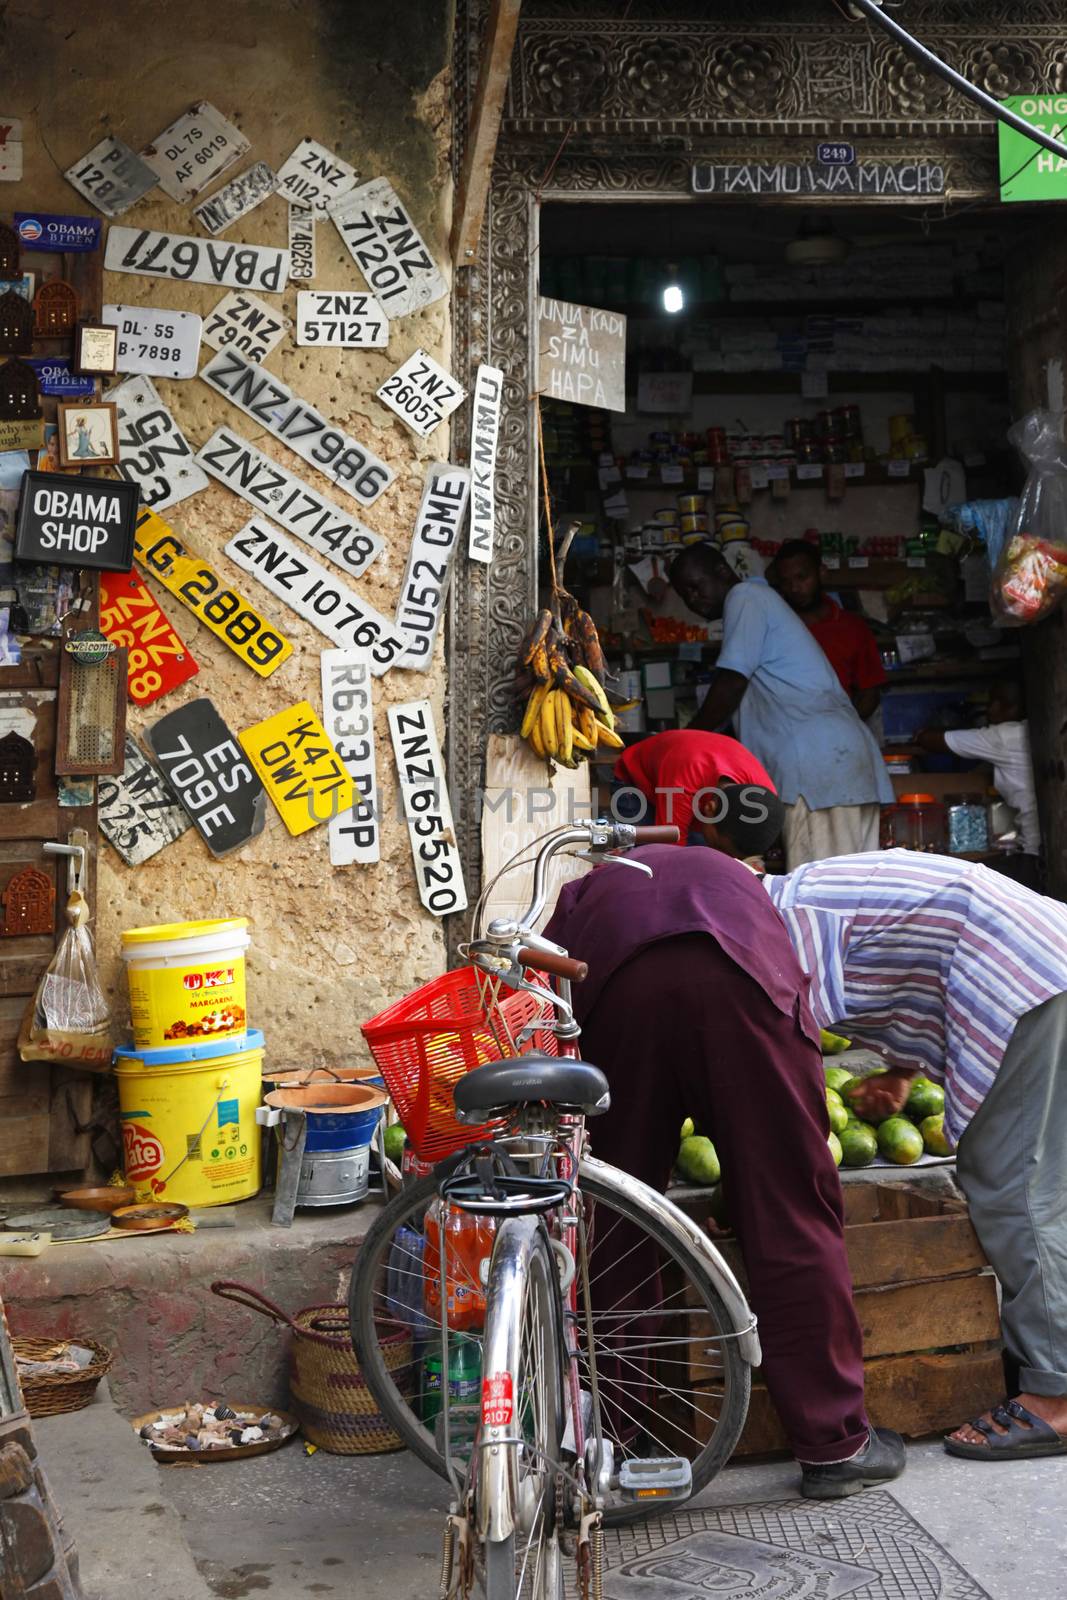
{"points": [[670, 768], [851, 648]]}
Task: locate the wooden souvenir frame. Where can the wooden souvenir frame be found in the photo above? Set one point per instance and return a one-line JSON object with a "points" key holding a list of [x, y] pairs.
{"points": [[73, 409], [95, 368]]}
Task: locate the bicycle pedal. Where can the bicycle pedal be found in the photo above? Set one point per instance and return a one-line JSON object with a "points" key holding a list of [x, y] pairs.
{"points": [[656, 1478]]}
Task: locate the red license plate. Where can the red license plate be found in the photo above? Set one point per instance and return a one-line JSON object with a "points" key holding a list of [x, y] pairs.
{"points": [[158, 660]]}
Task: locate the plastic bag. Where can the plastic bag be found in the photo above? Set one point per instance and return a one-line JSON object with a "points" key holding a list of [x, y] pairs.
{"points": [[989, 519], [67, 1020], [1030, 579]]}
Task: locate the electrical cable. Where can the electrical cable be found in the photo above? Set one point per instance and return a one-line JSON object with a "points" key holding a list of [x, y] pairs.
{"points": [[932, 63]]}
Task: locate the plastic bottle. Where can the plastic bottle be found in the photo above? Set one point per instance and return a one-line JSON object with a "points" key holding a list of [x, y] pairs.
{"points": [[464, 1378], [405, 1287], [468, 1240]]}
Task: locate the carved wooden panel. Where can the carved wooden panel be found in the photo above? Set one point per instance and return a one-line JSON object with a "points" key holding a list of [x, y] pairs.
{"points": [[18, 769], [9, 252], [55, 309], [29, 903], [20, 398]]}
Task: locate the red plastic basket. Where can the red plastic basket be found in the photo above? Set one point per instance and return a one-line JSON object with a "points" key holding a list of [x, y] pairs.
{"points": [[426, 1042]]}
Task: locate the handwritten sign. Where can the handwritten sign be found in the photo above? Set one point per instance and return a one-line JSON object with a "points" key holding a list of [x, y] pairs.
{"points": [[433, 545], [485, 430], [581, 354], [137, 811], [203, 764], [427, 809], [299, 767], [348, 717], [10, 149], [664, 392]]}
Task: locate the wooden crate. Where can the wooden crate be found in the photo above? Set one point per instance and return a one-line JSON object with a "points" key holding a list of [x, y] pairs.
{"points": [[926, 1303]]}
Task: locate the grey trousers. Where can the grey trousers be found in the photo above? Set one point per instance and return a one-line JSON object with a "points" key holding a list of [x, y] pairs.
{"points": [[1012, 1166]]}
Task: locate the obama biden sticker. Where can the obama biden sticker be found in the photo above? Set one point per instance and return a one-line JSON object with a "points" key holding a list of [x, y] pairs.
{"points": [[87, 522]]}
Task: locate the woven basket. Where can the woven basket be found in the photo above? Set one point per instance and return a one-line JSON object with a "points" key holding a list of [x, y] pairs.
{"points": [[328, 1392], [50, 1395]]}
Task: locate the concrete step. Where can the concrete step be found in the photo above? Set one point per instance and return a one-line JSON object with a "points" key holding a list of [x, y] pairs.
{"points": [[110, 1495]]}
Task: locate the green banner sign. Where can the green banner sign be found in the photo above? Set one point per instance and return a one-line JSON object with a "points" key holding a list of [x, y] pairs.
{"points": [[1027, 170]]}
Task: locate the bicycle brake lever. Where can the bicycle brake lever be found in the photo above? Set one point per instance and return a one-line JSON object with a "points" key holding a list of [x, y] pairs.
{"points": [[603, 858]]}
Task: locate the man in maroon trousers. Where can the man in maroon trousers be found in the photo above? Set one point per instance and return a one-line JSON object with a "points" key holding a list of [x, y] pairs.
{"points": [[695, 1005]]}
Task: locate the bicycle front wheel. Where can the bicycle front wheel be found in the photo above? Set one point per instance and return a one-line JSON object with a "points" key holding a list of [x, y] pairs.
{"points": [[672, 1379]]}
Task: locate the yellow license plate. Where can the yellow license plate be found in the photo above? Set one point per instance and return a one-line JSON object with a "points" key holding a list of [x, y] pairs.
{"points": [[209, 597], [299, 767]]}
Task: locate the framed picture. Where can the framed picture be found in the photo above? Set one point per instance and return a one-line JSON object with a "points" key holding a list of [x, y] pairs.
{"points": [[88, 434], [96, 346]]}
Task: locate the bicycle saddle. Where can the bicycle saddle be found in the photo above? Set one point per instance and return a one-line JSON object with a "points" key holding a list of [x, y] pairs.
{"points": [[532, 1080]]}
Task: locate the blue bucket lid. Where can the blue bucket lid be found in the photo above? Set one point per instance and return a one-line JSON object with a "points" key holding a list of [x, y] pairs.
{"points": [[231, 1044]]}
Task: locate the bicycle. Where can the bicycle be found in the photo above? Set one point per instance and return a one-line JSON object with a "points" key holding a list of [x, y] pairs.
{"points": [[614, 1360]]}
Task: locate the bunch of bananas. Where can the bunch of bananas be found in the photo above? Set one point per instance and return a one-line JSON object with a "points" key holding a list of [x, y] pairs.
{"points": [[561, 670]]}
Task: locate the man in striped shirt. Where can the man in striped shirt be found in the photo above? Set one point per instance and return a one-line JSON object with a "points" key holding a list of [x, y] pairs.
{"points": [[949, 969]]}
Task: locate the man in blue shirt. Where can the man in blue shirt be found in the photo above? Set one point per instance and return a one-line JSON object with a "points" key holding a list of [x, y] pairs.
{"points": [[789, 709]]}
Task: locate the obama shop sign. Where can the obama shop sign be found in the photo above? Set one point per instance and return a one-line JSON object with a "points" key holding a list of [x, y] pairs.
{"points": [[89, 523]]}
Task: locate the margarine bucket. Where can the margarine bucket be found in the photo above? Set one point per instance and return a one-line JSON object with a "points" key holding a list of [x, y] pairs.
{"points": [[187, 981], [188, 1118]]}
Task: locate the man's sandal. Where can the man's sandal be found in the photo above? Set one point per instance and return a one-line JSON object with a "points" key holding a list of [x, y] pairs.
{"points": [[1025, 1435]]}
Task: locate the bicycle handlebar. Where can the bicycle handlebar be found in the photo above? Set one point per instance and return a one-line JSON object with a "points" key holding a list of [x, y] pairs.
{"points": [[656, 833], [559, 966]]}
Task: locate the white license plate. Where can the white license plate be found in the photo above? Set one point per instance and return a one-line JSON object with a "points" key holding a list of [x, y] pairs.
{"points": [[236, 199], [421, 393], [388, 249], [315, 594], [424, 792], [247, 323], [150, 254], [422, 593], [155, 340], [301, 243], [274, 490], [268, 401], [112, 176], [194, 151], [348, 717], [313, 176], [349, 320], [485, 427], [153, 451]]}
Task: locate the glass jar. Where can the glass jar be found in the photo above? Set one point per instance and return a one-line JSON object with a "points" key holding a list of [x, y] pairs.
{"points": [[967, 817], [918, 823]]}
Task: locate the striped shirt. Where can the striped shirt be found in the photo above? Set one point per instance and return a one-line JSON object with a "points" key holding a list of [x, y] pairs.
{"points": [[929, 960]]}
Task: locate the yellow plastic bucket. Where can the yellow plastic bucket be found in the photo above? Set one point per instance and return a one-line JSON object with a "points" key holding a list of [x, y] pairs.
{"points": [[188, 1118], [187, 981]]}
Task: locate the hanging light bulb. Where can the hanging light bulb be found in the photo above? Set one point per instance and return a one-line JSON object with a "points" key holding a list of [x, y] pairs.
{"points": [[673, 298]]}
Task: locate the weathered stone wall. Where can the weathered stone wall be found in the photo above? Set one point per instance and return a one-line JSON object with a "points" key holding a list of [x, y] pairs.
{"points": [[369, 80]]}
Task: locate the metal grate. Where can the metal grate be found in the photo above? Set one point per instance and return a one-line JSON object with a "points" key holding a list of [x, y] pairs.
{"points": [[868, 1548], [92, 715]]}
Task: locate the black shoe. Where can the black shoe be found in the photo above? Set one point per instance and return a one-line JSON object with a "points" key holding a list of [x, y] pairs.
{"points": [[881, 1460]]}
